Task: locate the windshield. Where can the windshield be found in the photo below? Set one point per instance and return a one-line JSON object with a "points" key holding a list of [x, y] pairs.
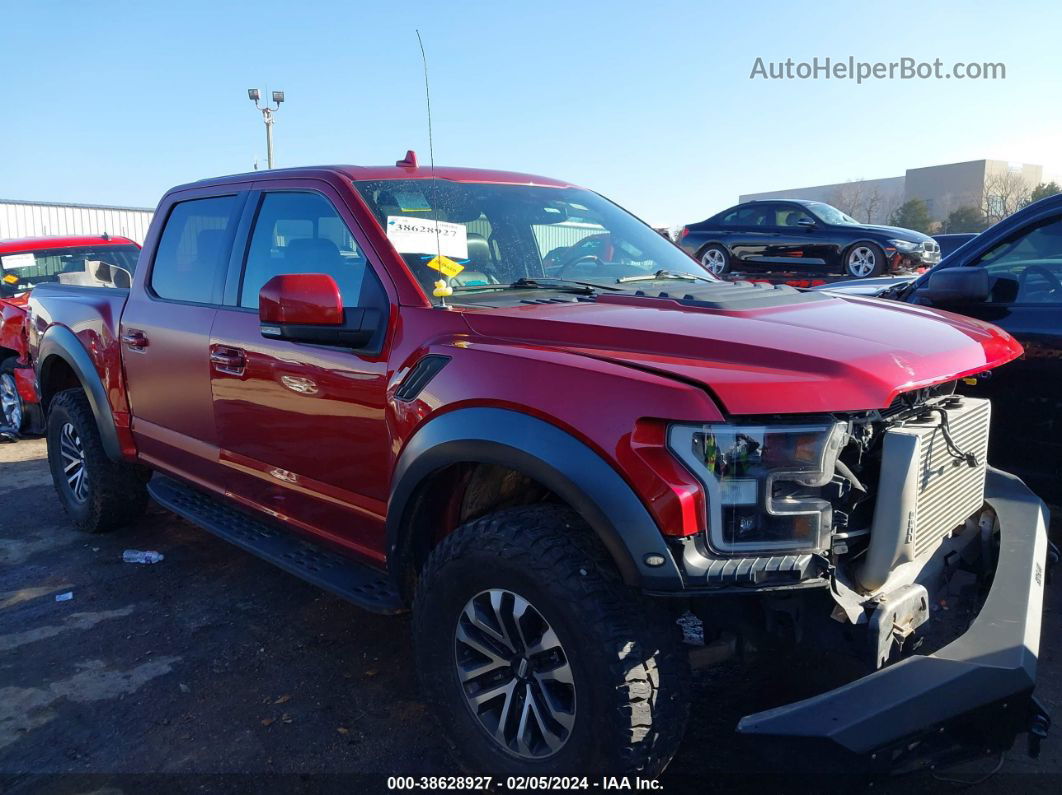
{"points": [[82, 265], [832, 215], [493, 235]]}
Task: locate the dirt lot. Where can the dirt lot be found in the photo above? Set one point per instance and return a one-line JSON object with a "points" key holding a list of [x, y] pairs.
{"points": [[225, 674]]}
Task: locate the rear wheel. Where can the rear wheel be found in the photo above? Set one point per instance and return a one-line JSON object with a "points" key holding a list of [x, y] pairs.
{"points": [[716, 259], [12, 410], [97, 493], [865, 259], [538, 659]]}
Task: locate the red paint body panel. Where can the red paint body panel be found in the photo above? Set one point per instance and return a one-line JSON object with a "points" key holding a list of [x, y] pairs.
{"points": [[847, 355], [14, 312], [311, 434], [304, 298]]}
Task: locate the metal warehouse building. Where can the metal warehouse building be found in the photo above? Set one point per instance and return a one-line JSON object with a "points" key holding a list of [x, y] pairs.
{"points": [[34, 219]]}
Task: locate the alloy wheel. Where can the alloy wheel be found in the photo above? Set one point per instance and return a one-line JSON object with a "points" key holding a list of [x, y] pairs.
{"points": [[514, 674], [861, 262], [10, 402], [73, 453], [714, 260]]}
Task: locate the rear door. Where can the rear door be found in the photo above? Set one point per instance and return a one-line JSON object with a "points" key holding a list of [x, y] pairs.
{"points": [[302, 428], [752, 234], [165, 335]]}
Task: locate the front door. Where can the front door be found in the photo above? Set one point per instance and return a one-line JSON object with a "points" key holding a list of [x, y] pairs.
{"points": [[165, 334], [301, 427], [795, 246], [1026, 394]]}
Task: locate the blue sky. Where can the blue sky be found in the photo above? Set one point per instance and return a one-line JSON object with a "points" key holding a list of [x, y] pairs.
{"points": [[648, 103]]}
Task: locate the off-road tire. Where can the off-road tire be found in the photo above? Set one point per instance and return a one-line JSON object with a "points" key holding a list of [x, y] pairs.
{"points": [[117, 491], [631, 676]]}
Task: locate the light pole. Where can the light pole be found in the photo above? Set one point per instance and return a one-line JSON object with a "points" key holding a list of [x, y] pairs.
{"points": [[267, 117]]}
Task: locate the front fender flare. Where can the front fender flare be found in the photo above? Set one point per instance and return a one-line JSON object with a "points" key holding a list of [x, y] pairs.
{"points": [[552, 457], [60, 342]]}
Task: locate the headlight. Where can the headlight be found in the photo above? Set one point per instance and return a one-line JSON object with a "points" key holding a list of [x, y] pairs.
{"points": [[764, 482], [905, 245]]}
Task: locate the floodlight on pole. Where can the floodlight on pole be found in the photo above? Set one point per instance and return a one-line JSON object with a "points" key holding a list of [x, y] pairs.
{"points": [[267, 116]]}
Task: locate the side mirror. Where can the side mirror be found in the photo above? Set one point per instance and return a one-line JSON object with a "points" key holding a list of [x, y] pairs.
{"points": [[307, 307], [958, 285], [807, 223]]}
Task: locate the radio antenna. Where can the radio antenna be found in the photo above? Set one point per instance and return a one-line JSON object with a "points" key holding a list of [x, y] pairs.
{"points": [[441, 293]]}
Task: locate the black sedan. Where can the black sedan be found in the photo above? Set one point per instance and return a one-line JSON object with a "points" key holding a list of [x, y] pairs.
{"points": [[797, 235]]}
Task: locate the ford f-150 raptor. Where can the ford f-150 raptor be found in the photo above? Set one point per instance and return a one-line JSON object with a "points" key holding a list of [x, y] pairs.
{"points": [[366, 376]]}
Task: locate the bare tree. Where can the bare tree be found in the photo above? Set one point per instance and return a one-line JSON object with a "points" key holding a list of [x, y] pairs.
{"points": [[861, 200], [1004, 193]]}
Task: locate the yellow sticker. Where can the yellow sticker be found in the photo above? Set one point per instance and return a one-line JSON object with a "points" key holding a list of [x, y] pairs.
{"points": [[446, 266], [11, 278]]}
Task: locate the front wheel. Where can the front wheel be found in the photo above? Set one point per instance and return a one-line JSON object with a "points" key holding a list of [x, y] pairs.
{"points": [[97, 493], [716, 259], [12, 410], [538, 659], [864, 260]]}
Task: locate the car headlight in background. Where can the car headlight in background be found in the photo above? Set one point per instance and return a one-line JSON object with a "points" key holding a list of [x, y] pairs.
{"points": [[905, 245], [763, 482]]}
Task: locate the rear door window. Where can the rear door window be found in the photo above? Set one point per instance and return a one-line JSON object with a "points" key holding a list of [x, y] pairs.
{"points": [[193, 250]]}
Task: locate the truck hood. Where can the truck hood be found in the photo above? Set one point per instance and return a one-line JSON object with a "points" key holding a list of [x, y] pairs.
{"points": [[801, 353]]}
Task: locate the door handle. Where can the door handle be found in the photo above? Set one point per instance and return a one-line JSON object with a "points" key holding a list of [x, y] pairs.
{"points": [[135, 339], [231, 361]]}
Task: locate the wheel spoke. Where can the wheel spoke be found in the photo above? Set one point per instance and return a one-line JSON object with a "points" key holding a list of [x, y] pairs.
{"points": [[478, 646], [515, 674], [546, 642]]}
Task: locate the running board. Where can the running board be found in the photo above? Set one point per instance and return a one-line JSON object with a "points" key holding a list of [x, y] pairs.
{"points": [[356, 582]]}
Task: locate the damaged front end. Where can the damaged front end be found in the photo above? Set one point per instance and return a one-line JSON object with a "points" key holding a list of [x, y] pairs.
{"points": [[898, 518]]}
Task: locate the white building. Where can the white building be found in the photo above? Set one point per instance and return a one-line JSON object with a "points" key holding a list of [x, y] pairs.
{"points": [[37, 219]]}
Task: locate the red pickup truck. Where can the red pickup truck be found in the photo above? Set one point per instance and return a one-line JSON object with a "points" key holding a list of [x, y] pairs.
{"points": [[25, 263], [366, 376]]}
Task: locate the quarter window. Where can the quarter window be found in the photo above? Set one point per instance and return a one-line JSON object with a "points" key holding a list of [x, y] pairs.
{"points": [[193, 250], [303, 233]]}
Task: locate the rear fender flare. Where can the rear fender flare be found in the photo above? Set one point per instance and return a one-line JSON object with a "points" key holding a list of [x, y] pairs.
{"points": [[60, 343], [553, 458]]}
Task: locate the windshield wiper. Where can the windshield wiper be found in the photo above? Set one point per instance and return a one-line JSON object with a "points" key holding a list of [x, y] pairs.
{"points": [[539, 282], [663, 275]]}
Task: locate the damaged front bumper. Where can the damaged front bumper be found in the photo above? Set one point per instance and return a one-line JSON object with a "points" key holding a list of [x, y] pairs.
{"points": [[975, 693]]}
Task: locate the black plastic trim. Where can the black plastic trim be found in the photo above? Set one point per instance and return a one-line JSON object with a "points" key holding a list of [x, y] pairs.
{"points": [[357, 582], [554, 458], [420, 375], [61, 342]]}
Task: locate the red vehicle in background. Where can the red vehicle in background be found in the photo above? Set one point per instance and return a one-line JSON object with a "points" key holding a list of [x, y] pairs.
{"points": [[93, 261]]}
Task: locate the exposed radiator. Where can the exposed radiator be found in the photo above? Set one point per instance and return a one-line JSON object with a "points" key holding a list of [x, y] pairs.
{"points": [[924, 491]]}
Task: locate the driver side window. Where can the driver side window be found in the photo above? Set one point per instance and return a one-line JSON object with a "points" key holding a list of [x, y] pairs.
{"points": [[302, 233], [1027, 266]]}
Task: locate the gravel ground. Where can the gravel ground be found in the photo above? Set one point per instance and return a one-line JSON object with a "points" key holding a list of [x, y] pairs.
{"points": [[223, 674]]}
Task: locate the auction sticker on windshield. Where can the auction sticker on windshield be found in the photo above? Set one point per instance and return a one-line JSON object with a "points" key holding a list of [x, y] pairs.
{"points": [[24, 260], [424, 236]]}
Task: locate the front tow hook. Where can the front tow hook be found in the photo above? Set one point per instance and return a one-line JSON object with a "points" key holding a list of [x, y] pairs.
{"points": [[1039, 726]]}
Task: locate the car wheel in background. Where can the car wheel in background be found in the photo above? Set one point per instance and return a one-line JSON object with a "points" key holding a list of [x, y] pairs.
{"points": [[716, 259], [12, 411], [863, 260]]}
